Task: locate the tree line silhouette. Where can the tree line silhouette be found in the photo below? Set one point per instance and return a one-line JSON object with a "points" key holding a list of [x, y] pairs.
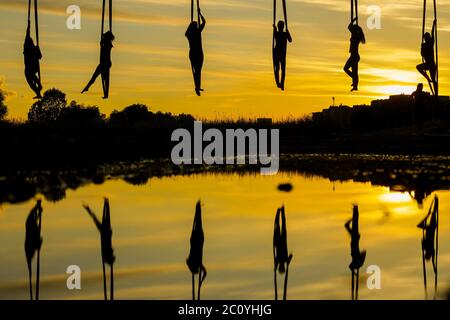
{"points": [[63, 132]]}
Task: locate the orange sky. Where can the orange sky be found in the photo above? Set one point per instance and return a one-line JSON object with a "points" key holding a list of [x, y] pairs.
{"points": [[151, 66]]}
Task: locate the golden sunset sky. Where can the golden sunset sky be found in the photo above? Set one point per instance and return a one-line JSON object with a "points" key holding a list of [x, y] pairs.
{"points": [[151, 65]]}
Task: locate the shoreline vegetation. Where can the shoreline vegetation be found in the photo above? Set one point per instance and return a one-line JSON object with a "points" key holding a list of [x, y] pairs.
{"points": [[58, 133], [66, 146], [419, 176]]}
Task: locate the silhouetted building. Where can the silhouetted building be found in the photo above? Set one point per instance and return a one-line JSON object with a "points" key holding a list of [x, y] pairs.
{"points": [[336, 117], [395, 112]]}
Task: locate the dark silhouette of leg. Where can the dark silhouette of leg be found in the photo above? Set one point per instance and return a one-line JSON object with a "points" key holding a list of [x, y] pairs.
{"points": [[198, 74], [277, 72], [422, 68], [105, 83], [347, 67], [34, 83], [355, 76], [97, 72], [433, 78], [283, 73]]}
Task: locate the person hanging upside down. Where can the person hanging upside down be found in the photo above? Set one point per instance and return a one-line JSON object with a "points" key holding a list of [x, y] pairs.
{"points": [[279, 53], [195, 259], [32, 55], [429, 64], [282, 258], [104, 67], [352, 227], [352, 62], [194, 36], [429, 225]]}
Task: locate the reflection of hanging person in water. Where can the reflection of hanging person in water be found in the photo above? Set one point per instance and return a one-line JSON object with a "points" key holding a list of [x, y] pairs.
{"points": [[33, 242], [195, 259], [104, 227], [194, 36], [429, 225], [427, 52], [352, 227], [281, 256], [279, 53], [32, 55], [104, 67], [352, 62]]}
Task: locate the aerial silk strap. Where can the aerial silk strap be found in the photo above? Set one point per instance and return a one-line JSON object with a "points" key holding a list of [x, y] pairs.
{"points": [[36, 21], [436, 48], [436, 208], [285, 14], [354, 10], [103, 15], [198, 11], [38, 265]]}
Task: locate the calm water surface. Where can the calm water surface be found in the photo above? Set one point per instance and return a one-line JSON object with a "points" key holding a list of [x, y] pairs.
{"points": [[152, 225]]}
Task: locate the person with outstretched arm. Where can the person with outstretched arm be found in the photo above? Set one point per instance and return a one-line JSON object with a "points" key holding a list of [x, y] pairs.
{"points": [[104, 67]]}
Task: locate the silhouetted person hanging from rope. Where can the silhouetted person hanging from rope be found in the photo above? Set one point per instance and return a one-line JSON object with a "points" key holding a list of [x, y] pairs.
{"points": [[351, 66], [282, 258], [104, 67], [195, 259], [32, 55], [194, 36], [104, 227], [429, 63], [33, 243], [358, 256], [429, 226], [418, 97], [279, 53]]}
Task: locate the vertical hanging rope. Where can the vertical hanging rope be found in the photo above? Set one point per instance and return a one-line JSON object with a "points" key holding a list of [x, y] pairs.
{"points": [[29, 12], [36, 21], [436, 48], [103, 18], [424, 18], [436, 204], [198, 12], [354, 10], [274, 21], [352, 15], [38, 266], [192, 10], [110, 15], [285, 14]]}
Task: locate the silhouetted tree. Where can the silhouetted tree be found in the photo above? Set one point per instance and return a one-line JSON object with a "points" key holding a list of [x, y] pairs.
{"points": [[3, 108], [49, 107], [131, 114], [81, 115]]}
